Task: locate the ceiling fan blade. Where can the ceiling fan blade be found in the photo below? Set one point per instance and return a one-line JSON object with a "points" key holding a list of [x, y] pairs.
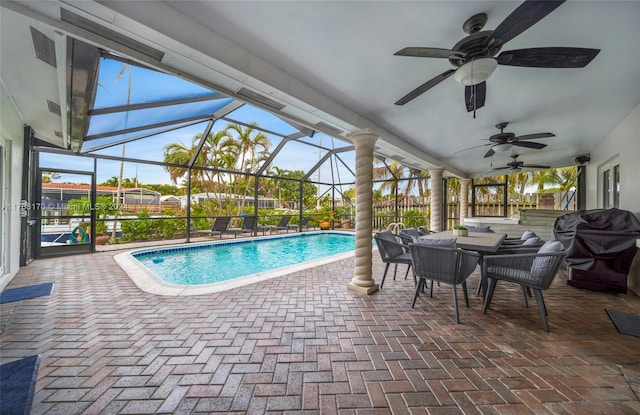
{"points": [[425, 87], [490, 153], [555, 57], [475, 95], [526, 15], [501, 168], [419, 52], [534, 136], [535, 166], [529, 144], [474, 147]]}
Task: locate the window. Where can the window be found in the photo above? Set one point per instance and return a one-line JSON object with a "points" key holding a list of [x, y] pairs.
{"points": [[489, 196], [5, 203], [609, 184], [606, 189], [616, 186]]}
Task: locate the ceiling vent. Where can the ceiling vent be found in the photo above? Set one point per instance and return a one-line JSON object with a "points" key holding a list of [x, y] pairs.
{"points": [[97, 29], [327, 127], [44, 46], [54, 108], [247, 93]]}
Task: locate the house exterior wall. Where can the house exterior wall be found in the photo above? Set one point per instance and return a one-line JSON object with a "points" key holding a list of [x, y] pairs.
{"points": [[11, 132], [621, 146]]}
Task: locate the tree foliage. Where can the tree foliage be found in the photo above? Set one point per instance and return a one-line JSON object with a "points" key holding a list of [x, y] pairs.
{"points": [[126, 182], [289, 190], [410, 179]]}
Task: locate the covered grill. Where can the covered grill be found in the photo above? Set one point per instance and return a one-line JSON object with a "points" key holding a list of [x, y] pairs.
{"points": [[601, 245]]}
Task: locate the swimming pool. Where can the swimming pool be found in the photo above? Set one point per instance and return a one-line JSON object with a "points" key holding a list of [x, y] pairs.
{"points": [[215, 266]]}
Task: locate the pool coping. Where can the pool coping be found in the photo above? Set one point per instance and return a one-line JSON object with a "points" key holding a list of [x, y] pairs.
{"points": [[149, 282]]}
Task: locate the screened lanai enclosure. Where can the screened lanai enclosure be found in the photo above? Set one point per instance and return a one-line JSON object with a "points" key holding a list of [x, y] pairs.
{"points": [[153, 157]]}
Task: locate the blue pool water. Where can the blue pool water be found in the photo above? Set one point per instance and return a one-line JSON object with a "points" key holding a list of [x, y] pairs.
{"points": [[216, 262]]}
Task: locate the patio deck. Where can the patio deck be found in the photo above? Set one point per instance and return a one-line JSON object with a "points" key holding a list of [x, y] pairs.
{"points": [[303, 343]]}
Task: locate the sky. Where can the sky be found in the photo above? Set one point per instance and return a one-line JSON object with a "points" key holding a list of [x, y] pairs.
{"points": [[119, 84]]}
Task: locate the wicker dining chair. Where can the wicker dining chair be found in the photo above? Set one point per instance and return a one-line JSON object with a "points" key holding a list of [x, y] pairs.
{"points": [[407, 235], [535, 271], [526, 246], [447, 265], [392, 251]]}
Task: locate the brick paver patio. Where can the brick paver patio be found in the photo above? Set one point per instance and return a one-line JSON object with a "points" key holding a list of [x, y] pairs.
{"points": [[303, 343]]}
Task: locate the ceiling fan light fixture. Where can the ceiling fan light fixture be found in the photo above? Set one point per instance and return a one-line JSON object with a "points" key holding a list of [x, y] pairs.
{"points": [[476, 71], [502, 147]]}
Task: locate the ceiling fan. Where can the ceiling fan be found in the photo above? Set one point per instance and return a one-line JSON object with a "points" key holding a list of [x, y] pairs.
{"points": [[474, 57], [516, 165], [503, 141]]}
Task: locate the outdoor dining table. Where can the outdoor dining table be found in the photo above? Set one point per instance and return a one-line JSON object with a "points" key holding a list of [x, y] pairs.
{"points": [[481, 242]]}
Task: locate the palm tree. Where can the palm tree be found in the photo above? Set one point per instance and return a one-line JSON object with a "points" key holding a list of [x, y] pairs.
{"points": [[541, 177], [178, 153], [518, 182], [417, 178], [412, 178], [280, 173], [253, 148], [389, 173], [217, 153], [562, 179], [453, 187], [220, 152]]}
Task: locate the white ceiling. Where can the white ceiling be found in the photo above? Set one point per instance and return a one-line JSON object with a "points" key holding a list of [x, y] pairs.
{"points": [[333, 62]]}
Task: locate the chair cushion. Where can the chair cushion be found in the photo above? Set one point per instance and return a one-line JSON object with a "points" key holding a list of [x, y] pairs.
{"points": [[540, 264], [388, 235], [423, 231], [407, 235], [532, 241], [551, 246], [409, 232], [442, 243], [527, 234]]}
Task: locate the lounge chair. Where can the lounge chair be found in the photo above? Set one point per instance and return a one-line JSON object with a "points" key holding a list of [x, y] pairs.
{"points": [[219, 226], [283, 225], [249, 225], [304, 223]]}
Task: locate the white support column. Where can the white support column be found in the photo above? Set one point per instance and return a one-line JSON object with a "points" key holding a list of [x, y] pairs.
{"points": [[436, 198], [362, 280], [464, 199]]}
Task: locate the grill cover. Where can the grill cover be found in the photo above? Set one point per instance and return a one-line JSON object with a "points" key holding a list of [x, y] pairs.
{"points": [[601, 245]]}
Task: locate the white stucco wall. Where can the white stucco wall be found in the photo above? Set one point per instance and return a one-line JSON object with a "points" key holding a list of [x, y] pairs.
{"points": [[623, 146], [11, 130]]}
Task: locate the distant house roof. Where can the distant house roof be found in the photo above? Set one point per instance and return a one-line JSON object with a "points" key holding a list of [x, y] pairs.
{"points": [[75, 186], [87, 187], [170, 197]]}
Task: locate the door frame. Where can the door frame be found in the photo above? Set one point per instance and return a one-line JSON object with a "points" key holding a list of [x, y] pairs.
{"points": [[608, 186], [60, 250]]}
